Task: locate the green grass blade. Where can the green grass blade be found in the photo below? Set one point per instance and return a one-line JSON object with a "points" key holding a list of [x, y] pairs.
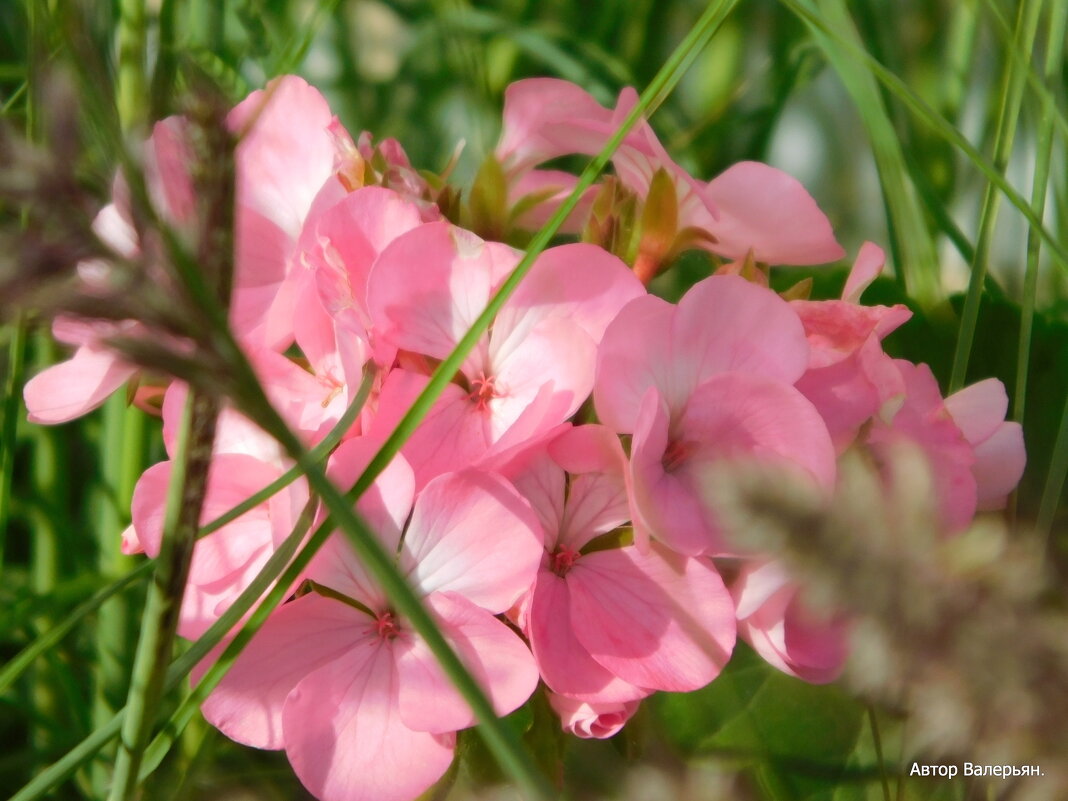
{"points": [[923, 111], [317, 454], [185, 495], [915, 254], [131, 75], [1054, 488], [1011, 96], [11, 410], [1058, 27], [18, 664], [47, 639]]}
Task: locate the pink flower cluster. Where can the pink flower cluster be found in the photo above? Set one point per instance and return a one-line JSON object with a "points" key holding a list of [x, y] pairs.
{"points": [[553, 540]]}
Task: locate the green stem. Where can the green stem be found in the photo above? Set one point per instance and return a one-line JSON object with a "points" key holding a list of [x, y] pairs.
{"points": [[915, 256], [877, 741], [1044, 146], [131, 78], [54, 634], [166, 62], [923, 111], [13, 669], [962, 34], [185, 496], [11, 410], [1012, 86], [1054, 487], [111, 642]]}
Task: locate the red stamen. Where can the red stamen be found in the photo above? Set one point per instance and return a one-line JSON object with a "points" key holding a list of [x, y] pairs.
{"points": [[386, 626], [483, 390], [563, 560]]}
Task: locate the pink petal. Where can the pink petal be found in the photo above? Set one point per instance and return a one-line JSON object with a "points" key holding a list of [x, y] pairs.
{"points": [[495, 656], [767, 211], [581, 283], [866, 268], [430, 284], [75, 387], [999, 465], [592, 720], [723, 323], [473, 534], [665, 505], [345, 739], [342, 243], [772, 618], [300, 637], [547, 117], [655, 619], [287, 155], [979, 410], [384, 506], [565, 664]]}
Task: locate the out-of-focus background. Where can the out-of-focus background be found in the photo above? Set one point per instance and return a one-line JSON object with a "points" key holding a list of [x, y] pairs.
{"points": [[781, 82]]}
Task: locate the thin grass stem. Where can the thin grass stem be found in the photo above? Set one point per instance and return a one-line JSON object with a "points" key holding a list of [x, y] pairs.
{"points": [[1058, 27], [1009, 100]]}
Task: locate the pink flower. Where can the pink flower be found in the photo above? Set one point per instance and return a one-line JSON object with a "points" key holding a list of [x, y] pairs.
{"points": [[344, 685], [976, 458], [592, 720], [708, 380], [774, 621], [226, 561], [849, 378], [609, 625], [979, 412], [532, 370], [750, 206]]}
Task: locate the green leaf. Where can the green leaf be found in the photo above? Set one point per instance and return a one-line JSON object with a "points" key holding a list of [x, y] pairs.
{"points": [[798, 738]]}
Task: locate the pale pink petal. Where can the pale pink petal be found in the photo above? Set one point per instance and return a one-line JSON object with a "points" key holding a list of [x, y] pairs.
{"points": [[473, 534], [635, 354], [866, 268], [342, 243], [767, 211], [498, 660], [979, 410], [258, 316], [664, 504], [75, 387], [999, 465], [547, 117], [345, 739], [773, 619], [428, 286], [520, 374], [655, 619], [287, 155], [298, 638], [578, 282], [592, 720], [384, 506], [837, 329], [723, 323], [565, 664]]}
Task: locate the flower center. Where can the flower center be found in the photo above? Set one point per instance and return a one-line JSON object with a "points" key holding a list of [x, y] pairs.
{"points": [[386, 626], [562, 560], [483, 390], [675, 455]]}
